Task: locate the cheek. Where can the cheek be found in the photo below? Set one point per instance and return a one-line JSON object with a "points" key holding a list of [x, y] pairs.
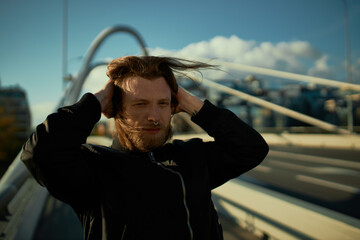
{"points": [[134, 118]]}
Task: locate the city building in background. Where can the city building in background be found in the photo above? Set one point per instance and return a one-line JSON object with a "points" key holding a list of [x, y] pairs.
{"points": [[328, 104], [15, 123]]}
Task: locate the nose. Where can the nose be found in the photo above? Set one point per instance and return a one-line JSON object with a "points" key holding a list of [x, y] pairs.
{"points": [[154, 114]]}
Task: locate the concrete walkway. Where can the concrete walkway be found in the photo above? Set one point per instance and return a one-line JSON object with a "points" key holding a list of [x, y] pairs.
{"points": [[314, 140], [301, 140]]}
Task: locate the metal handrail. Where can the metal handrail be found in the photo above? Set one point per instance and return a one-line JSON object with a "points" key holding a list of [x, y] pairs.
{"points": [[290, 76], [277, 108], [11, 182], [241, 201]]}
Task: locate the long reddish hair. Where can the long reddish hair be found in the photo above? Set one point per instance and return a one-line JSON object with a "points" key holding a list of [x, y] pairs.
{"points": [[123, 69]]}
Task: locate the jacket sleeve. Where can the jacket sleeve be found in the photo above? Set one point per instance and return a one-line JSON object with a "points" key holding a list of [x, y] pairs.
{"points": [[237, 147], [54, 153]]}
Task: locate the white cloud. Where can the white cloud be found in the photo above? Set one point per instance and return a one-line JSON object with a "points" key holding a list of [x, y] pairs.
{"points": [[293, 56], [228, 49], [321, 68]]}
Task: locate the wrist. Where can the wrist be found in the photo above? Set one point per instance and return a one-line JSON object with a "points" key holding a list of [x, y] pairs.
{"points": [[100, 97]]}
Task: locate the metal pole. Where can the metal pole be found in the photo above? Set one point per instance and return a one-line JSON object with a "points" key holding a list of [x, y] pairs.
{"points": [[64, 43], [347, 43], [289, 76], [350, 116], [348, 66]]}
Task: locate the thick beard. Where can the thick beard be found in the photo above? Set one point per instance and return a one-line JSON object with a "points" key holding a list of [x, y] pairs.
{"points": [[147, 142], [133, 139]]}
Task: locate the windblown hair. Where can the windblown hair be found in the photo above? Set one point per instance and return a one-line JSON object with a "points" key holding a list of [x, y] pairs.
{"points": [[123, 69]]}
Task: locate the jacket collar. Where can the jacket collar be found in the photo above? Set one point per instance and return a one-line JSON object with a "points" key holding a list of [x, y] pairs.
{"points": [[160, 153]]}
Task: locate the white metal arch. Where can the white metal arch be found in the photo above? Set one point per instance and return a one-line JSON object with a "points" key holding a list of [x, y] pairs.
{"points": [[72, 94]]}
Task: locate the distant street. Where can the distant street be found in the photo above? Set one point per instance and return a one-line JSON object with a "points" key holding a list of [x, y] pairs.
{"points": [[326, 177]]}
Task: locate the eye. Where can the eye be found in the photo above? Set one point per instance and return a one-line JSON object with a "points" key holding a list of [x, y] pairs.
{"points": [[139, 104], [164, 103]]}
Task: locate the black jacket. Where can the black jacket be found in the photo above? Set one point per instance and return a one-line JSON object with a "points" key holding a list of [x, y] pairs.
{"points": [[165, 194]]}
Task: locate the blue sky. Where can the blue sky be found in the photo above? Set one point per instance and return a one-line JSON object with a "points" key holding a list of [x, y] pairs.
{"points": [[302, 36]]}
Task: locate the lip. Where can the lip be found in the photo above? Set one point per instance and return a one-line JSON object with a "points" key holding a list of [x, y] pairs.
{"points": [[151, 130]]}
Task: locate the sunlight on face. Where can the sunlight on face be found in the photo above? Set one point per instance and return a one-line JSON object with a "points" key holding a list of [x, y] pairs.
{"points": [[146, 102]]}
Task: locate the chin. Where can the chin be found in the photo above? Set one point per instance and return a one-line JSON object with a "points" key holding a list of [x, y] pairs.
{"points": [[150, 142]]}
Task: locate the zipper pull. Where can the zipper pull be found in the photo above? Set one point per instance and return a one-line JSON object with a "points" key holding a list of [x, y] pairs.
{"points": [[152, 157]]}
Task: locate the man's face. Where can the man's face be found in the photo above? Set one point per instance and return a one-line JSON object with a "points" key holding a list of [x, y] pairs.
{"points": [[146, 102]]}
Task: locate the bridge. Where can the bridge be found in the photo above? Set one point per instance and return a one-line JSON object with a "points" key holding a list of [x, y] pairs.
{"points": [[308, 187]]}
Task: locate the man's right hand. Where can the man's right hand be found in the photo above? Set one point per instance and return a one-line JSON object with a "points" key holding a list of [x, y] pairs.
{"points": [[104, 96], [187, 102]]}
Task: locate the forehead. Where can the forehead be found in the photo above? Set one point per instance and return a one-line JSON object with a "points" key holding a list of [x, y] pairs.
{"points": [[138, 87]]}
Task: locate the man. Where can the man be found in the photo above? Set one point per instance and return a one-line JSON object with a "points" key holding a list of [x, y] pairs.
{"points": [[143, 187]]}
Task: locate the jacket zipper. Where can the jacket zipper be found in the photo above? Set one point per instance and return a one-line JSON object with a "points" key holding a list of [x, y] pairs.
{"points": [[152, 159], [123, 234]]}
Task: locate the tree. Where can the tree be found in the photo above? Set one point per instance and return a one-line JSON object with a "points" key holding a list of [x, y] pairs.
{"points": [[10, 143]]}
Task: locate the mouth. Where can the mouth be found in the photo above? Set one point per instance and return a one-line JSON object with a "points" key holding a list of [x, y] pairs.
{"points": [[151, 130]]}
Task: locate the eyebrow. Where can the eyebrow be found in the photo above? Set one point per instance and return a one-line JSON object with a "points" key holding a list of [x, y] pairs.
{"points": [[146, 100], [165, 99]]}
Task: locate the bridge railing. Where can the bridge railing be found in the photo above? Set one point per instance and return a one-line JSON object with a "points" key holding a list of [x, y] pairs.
{"points": [[272, 215], [275, 107], [11, 182]]}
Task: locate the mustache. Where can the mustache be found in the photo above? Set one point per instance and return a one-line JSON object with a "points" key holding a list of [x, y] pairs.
{"points": [[137, 129], [151, 126]]}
